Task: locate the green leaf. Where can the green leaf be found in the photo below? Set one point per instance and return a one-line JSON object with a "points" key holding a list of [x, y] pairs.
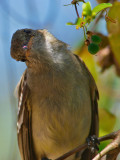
{"points": [[104, 143], [70, 23], [114, 13], [88, 58], [88, 19], [100, 7], [114, 32], [86, 7], [78, 22], [107, 121], [114, 40]]}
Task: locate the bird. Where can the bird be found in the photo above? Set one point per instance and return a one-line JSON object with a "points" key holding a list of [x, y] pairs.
{"points": [[57, 97]]}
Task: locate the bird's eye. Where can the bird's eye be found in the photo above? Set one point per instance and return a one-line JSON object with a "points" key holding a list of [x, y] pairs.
{"points": [[27, 31]]}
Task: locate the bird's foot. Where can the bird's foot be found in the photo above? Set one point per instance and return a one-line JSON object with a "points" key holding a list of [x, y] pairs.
{"points": [[93, 143]]}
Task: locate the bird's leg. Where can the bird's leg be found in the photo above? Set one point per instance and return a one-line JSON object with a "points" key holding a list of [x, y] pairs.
{"points": [[93, 143]]}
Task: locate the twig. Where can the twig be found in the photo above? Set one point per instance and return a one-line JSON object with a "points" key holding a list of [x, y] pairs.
{"points": [[105, 151], [113, 147], [77, 149], [108, 136], [76, 10], [80, 148]]}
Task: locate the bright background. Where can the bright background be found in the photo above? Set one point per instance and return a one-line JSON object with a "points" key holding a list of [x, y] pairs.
{"points": [[40, 14]]}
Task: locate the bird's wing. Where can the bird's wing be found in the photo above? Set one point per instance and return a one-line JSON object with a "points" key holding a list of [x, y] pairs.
{"points": [[94, 108], [24, 129]]}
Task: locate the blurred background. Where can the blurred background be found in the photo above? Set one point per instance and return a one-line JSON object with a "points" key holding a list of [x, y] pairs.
{"points": [[53, 16]]}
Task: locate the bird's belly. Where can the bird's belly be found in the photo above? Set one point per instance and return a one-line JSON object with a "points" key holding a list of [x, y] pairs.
{"points": [[56, 131]]}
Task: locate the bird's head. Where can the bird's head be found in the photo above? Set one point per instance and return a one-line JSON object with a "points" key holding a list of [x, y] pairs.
{"points": [[37, 48], [19, 43]]}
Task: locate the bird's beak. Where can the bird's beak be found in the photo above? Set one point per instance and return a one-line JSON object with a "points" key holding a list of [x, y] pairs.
{"points": [[28, 48]]}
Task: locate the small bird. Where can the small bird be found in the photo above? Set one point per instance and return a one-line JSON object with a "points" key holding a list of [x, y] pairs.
{"points": [[57, 98]]}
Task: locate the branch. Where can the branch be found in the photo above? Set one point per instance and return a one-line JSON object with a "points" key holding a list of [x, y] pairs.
{"points": [[114, 145], [75, 150], [113, 149], [76, 10]]}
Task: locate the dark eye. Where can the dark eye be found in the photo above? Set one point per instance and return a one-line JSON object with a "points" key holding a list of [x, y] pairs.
{"points": [[27, 31]]}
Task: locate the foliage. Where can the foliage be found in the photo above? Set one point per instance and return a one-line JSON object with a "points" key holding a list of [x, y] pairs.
{"points": [[108, 55], [114, 31], [88, 15]]}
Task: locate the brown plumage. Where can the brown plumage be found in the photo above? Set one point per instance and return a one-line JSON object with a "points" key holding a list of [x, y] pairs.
{"points": [[57, 96]]}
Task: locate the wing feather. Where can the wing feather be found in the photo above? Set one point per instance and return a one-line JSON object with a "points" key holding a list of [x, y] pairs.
{"points": [[24, 128], [87, 155]]}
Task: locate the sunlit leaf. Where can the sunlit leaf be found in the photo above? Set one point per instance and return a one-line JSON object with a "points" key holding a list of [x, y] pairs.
{"points": [[114, 31], [114, 13], [86, 7], [79, 20], [114, 40], [101, 7], [79, 23], [88, 59], [70, 23], [107, 121], [90, 14]]}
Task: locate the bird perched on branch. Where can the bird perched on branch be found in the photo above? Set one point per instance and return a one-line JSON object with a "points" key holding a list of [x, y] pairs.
{"points": [[57, 97]]}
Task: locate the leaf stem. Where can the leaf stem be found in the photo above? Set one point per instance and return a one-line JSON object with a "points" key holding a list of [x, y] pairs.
{"points": [[84, 33], [76, 10]]}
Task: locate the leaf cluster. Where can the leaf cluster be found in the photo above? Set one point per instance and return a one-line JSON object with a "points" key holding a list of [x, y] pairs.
{"points": [[88, 14]]}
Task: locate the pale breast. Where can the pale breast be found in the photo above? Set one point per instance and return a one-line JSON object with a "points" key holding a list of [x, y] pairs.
{"points": [[61, 111], [60, 122]]}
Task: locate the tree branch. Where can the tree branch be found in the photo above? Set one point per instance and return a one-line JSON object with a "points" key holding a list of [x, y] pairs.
{"points": [[111, 150], [75, 150], [115, 144]]}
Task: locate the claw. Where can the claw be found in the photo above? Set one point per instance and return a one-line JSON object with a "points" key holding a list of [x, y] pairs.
{"points": [[93, 143]]}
